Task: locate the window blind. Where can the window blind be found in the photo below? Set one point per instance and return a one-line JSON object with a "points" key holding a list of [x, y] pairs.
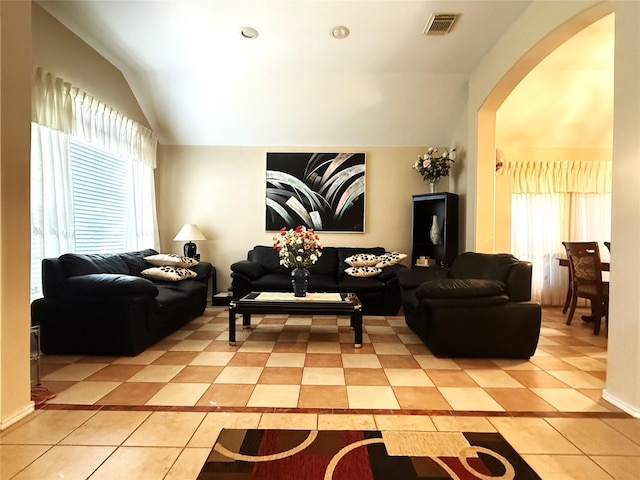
{"points": [[100, 198]]}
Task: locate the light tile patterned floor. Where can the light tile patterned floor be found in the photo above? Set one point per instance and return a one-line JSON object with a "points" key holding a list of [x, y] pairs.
{"points": [[280, 361], [90, 444], [156, 416]]}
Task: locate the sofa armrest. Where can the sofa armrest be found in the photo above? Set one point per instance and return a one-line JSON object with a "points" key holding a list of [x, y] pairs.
{"points": [[390, 272], [52, 277], [204, 270], [519, 282], [251, 270], [110, 284]]}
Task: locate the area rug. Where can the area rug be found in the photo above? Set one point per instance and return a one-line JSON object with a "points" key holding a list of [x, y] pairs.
{"points": [[362, 455]]}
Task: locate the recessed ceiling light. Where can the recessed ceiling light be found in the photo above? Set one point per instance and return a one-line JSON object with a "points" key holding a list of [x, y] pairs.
{"points": [[249, 32], [340, 31]]}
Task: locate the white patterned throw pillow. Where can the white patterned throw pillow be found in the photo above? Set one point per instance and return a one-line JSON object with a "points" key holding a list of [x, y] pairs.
{"points": [[169, 273], [363, 271], [361, 260], [171, 259], [390, 258]]}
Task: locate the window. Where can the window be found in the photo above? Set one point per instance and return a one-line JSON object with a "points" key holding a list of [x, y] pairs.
{"points": [[92, 185], [100, 199]]}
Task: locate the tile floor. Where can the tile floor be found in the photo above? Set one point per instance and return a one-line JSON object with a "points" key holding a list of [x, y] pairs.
{"points": [[157, 415]]}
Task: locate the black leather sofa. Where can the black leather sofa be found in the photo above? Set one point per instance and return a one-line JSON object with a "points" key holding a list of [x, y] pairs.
{"points": [[101, 304], [478, 307], [261, 271]]}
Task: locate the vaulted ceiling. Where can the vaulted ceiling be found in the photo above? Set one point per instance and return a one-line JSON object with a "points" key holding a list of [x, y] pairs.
{"points": [[199, 81], [567, 100]]}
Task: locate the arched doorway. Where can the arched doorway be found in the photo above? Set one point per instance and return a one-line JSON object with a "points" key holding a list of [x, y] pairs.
{"points": [[554, 133], [488, 89], [485, 214]]}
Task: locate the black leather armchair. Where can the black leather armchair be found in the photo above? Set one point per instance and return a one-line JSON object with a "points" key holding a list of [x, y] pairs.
{"points": [[478, 307]]}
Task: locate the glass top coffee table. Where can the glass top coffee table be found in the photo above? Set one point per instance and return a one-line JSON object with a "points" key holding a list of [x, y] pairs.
{"points": [[286, 303]]}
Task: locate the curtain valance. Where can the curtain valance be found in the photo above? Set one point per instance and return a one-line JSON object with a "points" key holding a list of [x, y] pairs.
{"points": [[60, 106], [559, 176]]}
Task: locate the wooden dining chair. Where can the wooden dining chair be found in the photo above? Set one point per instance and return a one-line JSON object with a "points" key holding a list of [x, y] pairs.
{"points": [[585, 275]]}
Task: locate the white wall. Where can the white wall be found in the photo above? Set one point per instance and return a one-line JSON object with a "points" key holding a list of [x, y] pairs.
{"points": [[512, 58], [222, 190], [56, 49], [623, 358], [508, 62]]}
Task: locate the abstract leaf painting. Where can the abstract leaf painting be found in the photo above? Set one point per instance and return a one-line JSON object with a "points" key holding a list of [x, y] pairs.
{"points": [[323, 191]]}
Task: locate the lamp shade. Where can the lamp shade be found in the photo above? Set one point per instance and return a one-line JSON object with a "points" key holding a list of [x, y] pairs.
{"points": [[189, 232]]}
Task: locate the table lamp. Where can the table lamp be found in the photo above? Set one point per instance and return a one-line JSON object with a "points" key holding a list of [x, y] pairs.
{"points": [[189, 232]]}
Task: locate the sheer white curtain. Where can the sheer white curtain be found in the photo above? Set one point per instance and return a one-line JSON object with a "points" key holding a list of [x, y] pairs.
{"points": [[52, 217], [554, 202], [141, 232], [59, 111], [98, 124], [537, 231]]}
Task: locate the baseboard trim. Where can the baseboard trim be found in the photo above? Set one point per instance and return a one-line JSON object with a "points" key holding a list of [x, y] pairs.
{"points": [[27, 410], [612, 399]]}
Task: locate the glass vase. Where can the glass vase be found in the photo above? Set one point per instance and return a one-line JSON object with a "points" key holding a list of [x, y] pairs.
{"points": [[433, 185]]}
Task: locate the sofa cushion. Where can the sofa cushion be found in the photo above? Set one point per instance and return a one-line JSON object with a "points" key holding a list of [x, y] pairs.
{"points": [[249, 269], [135, 261], [390, 258], [273, 282], [319, 282], [460, 288], [170, 298], [192, 287], [171, 259], [361, 260], [75, 264], [327, 264], [467, 302], [346, 252], [169, 274], [493, 266], [267, 257], [360, 285], [363, 271], [110, 284]]}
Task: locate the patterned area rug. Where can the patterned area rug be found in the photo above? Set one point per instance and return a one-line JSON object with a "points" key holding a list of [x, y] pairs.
{"points": [[362, 455]]}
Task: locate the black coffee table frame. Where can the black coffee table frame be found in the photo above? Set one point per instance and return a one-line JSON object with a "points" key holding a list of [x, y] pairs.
{"points": [[249, 304]]}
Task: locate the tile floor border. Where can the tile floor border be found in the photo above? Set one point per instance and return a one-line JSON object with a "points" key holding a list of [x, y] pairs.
{"points": [[335, 411]]}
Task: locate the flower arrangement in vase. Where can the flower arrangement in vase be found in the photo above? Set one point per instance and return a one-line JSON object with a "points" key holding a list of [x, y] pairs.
{"points": [[299, 248], [432, 165]]}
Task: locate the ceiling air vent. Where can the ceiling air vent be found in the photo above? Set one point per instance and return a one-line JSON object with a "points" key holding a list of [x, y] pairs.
{"points": [[440, 23]]}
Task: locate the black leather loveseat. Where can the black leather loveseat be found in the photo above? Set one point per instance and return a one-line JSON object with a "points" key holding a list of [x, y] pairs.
{"points": [[261, 271], [102, 304], [479, 307]]}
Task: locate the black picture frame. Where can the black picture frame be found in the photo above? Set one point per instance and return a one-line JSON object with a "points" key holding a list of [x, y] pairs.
{"points": [[323, 191]]}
